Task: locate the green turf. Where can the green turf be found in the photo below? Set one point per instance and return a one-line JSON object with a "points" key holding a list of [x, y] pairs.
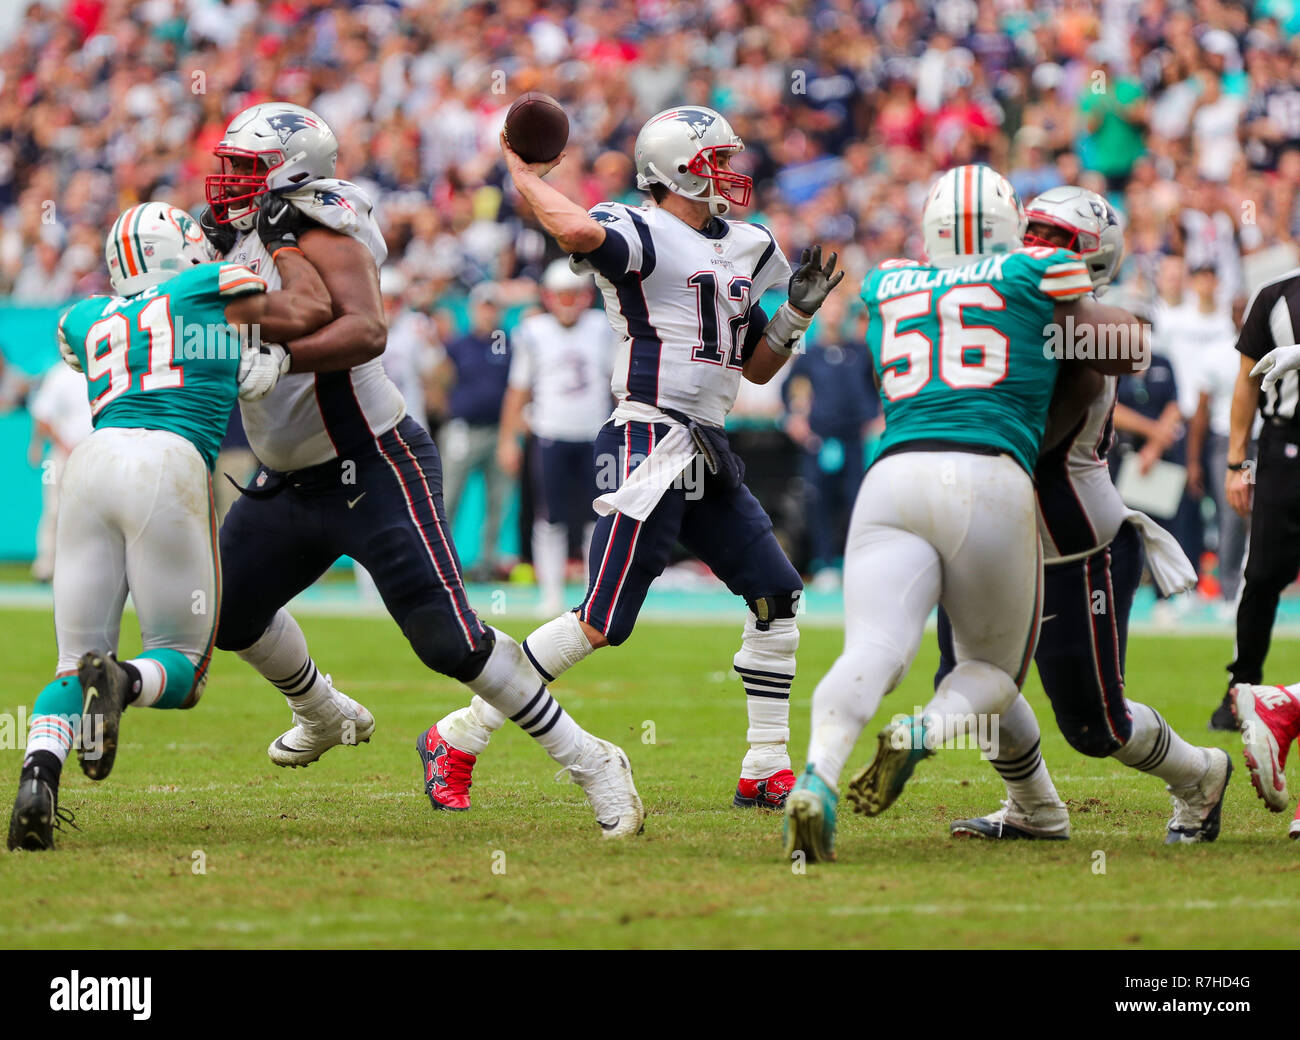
{"points": [[349, 854]]}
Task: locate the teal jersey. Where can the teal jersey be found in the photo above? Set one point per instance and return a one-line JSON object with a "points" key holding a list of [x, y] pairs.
{"points": [[960, 352], [165, 358]]}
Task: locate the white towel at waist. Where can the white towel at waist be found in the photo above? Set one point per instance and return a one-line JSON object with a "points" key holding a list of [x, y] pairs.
{"points": [[1172, 571], [645, 486]]}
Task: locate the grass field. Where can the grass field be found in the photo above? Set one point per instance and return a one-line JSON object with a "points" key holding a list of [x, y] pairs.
{"points": [[349, 854]]}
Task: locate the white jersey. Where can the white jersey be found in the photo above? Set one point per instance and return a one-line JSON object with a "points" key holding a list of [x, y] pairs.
{"points": [[681, 302], [312, 417], [1079, 510], [567, 371]]}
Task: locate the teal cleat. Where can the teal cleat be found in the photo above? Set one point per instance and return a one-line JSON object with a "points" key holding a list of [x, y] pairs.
{"points": [[900, 746], [810, 819]]}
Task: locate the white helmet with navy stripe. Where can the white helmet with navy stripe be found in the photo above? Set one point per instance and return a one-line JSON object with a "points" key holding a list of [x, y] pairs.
{"points": [[971, 211], [150, 243], [682, 149], [1085, 223]]}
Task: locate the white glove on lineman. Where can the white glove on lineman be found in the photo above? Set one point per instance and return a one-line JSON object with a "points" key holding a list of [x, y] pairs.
{"points": [[260, 368], [1277, 363], [67, 353]]}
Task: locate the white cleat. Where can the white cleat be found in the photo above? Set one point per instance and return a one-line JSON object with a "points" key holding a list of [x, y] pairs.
{"points": [[604, 774], [1048, 821], [338, 719], [1198, 808]]}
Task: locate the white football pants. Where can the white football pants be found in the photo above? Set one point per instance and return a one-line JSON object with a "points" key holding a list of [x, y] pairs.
{"points": [[933, 527], [135, 513]]}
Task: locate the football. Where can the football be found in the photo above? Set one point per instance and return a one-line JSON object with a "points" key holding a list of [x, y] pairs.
{"points": [[536, 127]]}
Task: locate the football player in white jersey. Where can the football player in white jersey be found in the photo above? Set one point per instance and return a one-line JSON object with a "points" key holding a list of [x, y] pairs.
{"points": [[345, 471], [560, 363], [1092, 562], [681, 285]]}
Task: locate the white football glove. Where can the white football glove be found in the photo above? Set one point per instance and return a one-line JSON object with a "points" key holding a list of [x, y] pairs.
{"points": [[67, 353], [260, 368], [1277, 363]]}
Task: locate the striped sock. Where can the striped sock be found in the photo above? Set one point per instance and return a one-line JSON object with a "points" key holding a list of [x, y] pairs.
{"points": [[52, 733], [281, 656], [1027, 778], [509, 683], [1156, 749]]}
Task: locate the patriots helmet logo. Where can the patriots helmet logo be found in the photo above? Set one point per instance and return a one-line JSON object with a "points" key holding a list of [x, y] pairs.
{"points": [[325, 197], [286, 124], [698, 119]]}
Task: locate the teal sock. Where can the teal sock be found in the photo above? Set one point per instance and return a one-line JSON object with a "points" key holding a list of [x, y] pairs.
{"points": [[56, 715], [167, 677]]}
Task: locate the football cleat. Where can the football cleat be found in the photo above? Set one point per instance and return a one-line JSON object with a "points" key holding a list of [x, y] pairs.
{"points": [[900, 746], [1198, 807], [810, 819], [768, 793], [1269, 719], [1293, 832], [1049, 821], [448, 772], [603, 772], [104, 691], [338, 719], [36, 815]]}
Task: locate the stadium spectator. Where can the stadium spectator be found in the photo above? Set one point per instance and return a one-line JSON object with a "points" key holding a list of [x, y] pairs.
{"points": [[60, 421], [479, 363]]}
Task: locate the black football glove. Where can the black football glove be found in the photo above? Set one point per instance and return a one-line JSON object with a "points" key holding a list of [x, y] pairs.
{"points": [[811, 283], [280, 222], [222, 236]]}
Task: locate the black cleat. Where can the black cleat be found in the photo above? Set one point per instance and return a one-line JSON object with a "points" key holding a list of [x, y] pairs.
{"points": [[36, 814], [104, 691], [1223, 718]]}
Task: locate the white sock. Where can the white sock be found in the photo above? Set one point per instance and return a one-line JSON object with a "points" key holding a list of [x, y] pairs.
{"points": [[280, 655], [1019, 760], [509, 684], [765, 663], [550, 555], [557, 646], [153, 678], [1156, 749]]}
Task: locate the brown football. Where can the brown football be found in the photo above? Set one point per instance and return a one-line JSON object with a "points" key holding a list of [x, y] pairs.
{"points": [[536, 127]]}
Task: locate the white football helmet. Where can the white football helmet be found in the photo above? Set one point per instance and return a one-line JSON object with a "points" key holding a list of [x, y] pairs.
{"points": [[150, 243], [971, 211], [1089, 226], [275, 146], [681, 148]]}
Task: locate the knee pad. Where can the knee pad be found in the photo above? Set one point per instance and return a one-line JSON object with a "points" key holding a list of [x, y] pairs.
{"points": [[440, 644], [766, 609]]}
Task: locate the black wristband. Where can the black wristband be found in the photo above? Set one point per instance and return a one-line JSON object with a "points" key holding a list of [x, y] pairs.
{"points": [[1236, 467]]}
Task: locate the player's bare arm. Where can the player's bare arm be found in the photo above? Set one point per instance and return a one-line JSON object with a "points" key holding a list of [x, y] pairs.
{"points": [[1106, 321], [300, 306], [567, 222], [1076, 388], [358, 330], [513, 427]]}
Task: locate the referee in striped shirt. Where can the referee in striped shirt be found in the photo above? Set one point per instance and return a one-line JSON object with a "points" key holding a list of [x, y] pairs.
{"points": [[1272, 320]]}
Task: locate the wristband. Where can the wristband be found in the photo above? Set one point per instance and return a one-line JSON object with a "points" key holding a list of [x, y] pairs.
{"points": [[1237, 467], [291, 249], [785, 327]]}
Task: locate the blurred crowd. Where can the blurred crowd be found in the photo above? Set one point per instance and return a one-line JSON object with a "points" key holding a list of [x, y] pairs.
{"points": [[1185, 114]]}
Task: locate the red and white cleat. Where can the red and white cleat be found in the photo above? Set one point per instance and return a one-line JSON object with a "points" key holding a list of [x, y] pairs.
{"points": [[1269, 720], [1294, 831], [767, 793], [448, 773]]}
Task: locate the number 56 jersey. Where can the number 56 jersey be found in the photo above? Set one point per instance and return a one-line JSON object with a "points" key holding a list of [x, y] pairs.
{"points": [[683, 302], [960, 352]]}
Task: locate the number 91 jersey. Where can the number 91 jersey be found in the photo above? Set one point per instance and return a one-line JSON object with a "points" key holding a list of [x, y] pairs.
{"points": [[165, 358], [960, 353], [683, 302]]}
